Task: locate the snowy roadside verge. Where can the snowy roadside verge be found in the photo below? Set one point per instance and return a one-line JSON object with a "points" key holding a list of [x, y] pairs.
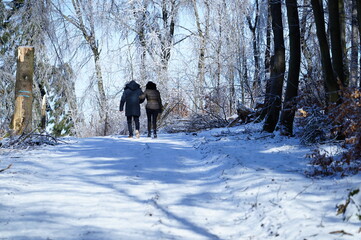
{"points": [[265, 174]]}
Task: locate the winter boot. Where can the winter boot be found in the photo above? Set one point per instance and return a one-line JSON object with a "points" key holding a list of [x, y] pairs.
{"points": [[149, 130], [155, 134], [137, 135], [130, 133]]}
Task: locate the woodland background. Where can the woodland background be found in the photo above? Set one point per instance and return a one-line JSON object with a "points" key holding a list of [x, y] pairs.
{"points": [[286, 63]]}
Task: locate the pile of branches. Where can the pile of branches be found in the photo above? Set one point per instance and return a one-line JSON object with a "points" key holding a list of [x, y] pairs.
{"points": [[26, 140], [316, 126], [195, 123]]}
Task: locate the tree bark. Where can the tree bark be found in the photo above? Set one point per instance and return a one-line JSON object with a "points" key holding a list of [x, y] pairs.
{"points": [[354, 46], [278, 67], [141, 32], [358, 4], [267, 66], [199, 85], [331, 85], [22, 118], [256, 79], [43, 113], [341, 7], [289, 106], [169, 25], [89, 36], [338, 57]]}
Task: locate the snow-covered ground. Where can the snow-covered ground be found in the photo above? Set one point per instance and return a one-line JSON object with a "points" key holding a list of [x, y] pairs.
{"points": [[235, 183]]}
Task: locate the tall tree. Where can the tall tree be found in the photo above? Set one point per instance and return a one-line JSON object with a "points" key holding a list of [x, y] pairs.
{"points": [[337, 40], [289, 106], [153, 23], [331, 85], [84, 21], [202, 36], [267, 66], [255, 43], [278, 67], [354, 46], [358, 4], [305, 47], [169, 10]]}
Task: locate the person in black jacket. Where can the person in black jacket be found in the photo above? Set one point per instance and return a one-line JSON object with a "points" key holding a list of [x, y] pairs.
{"points": [[153, 106], [130, 98]]}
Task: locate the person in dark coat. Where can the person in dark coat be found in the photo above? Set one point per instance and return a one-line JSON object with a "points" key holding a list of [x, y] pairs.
{"points": [[153, 106], [130, 98]]}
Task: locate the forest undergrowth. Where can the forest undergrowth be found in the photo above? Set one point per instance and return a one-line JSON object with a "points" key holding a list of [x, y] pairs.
{"points": [[337, 126]]}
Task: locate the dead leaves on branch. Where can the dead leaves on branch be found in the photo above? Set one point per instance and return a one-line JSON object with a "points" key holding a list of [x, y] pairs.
{"points": [[339, 124]]}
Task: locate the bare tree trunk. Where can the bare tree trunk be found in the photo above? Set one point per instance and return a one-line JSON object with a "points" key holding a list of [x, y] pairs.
{"points": [[22, 118], [143, 42], [289, 106], [346, 62], [199, 86], [168, 17], [89, 36], [278, 67], [241, 68], [218, 51], [267, 66], [331, 85], [244, 77], [43, 113], [335, 26], [358, 4], [232, 90], [304, 46], [256, 79], [354, 46], [103, 111]]}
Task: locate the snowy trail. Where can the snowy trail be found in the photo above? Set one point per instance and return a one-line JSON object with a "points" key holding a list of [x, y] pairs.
{"points": [[107, 188], [212, 186]]}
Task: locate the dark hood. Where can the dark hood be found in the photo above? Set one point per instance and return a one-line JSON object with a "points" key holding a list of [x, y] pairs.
{"points": [[151, 85], [132, 85]]}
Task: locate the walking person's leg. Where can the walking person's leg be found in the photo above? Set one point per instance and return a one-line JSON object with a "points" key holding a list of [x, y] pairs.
{"points": [[155, 115], [136, 121], [149, 121], [130, 127]]}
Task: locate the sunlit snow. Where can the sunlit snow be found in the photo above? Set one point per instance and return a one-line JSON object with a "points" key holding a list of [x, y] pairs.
{"points": [[235, 183]]}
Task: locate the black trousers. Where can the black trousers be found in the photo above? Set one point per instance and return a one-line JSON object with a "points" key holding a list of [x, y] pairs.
{"points": [[130, 126], [152, 119]]}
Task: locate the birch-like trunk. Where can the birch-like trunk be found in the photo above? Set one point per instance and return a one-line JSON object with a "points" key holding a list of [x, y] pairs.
{"points": [[199, 85], [89, 36]]}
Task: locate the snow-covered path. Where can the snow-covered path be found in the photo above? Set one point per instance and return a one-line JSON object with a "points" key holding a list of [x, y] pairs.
{"points": [[217, 185]]}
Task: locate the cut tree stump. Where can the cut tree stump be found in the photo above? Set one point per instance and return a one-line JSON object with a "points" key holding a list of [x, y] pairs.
{"points": [[22, 117]]}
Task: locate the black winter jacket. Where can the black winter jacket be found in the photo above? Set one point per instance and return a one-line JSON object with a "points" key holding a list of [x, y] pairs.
{"points": [[131, 99]]}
